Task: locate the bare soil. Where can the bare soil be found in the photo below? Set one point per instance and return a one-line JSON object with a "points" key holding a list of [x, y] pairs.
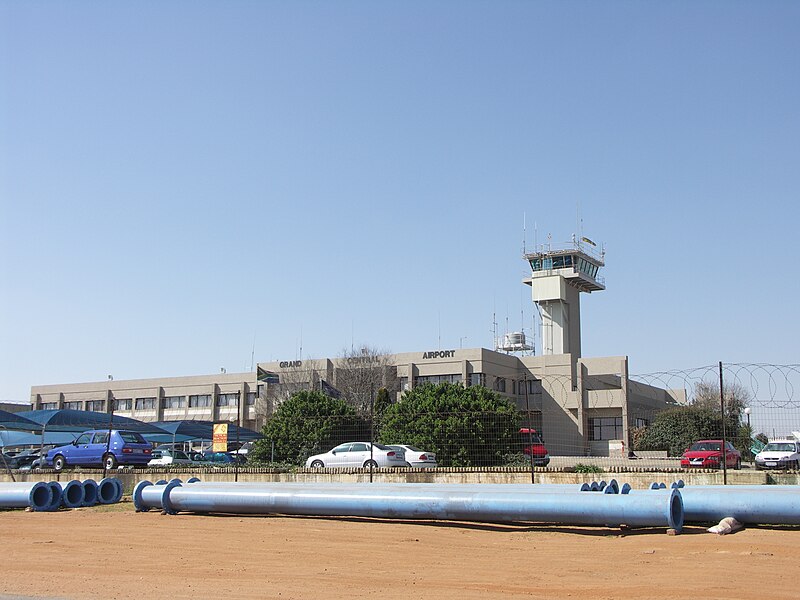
{"points": [[113, 552]]}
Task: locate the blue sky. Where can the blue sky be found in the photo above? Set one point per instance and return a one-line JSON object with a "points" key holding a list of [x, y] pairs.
{"points": [[182, 182]]}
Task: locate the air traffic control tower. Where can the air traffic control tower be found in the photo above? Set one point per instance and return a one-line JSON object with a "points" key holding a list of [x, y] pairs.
{"points": [[558, 276]]}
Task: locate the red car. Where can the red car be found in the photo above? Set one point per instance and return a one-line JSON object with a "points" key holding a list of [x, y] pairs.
{"points": [[532, 445], [707, 454]]}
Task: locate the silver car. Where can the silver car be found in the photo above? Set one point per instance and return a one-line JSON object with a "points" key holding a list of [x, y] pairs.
{"points": [[165, 458], [357, 454], [415, 457]]}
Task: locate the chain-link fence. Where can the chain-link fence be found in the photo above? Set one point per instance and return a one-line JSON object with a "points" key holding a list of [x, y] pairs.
{"points": [[639, 421]]}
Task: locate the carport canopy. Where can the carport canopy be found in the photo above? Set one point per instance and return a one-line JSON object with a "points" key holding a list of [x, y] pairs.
{"points": [[186, 430], [17, 422], [14, 439], [78, 421]]}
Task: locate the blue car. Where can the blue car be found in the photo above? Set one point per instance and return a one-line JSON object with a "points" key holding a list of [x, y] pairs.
{"points": [[223, 459], [92, 449]]}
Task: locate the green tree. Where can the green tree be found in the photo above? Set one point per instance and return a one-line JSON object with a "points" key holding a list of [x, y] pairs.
{"points": [[463, 426], [736, 398], [382, 401], [675, 429], [307, 423]]}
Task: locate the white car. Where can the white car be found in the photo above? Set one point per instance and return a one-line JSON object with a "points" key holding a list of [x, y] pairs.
{"points": [[357, 454], [165, 458], [779, 454], [416, 457]]}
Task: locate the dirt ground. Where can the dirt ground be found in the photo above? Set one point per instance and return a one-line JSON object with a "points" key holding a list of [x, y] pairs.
{"points": [[113, 552]]}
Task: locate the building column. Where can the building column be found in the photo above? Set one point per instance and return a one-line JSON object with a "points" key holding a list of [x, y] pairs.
{"points": [[583, 422], [626, 437]]}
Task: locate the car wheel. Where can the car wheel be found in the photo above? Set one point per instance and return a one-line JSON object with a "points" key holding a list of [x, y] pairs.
{"points": [[738, 465], [370, 464], [110, 461], [59, 462], [317, 464]]}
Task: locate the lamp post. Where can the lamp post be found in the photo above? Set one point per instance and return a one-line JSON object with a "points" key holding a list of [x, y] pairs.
{"points": [[235, 423], [749, 432]]}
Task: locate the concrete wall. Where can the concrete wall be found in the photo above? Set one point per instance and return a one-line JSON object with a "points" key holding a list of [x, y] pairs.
{"points": [[637, 480]]}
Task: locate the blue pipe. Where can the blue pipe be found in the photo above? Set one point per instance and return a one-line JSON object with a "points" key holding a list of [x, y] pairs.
{"points": [[147, 495], [58, 493], [89, 492], [36, 495], [120, 489], [108, 491], [758, 507], [402, 502], [524, 488], [72, 494]]}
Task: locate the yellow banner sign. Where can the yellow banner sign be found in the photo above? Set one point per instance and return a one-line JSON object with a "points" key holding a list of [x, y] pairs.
{"points": [[220, 441]]}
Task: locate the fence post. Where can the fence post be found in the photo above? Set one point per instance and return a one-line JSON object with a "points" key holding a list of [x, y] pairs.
{"points": [[530, 424], [724, 440]]}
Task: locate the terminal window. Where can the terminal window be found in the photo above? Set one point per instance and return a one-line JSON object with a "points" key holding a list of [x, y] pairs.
{"points": [[96, 405], [228, 399], [145, 403], [477, 379], [174, 401], [199, 400], [437, 379], [605, 428], [123, 404]]}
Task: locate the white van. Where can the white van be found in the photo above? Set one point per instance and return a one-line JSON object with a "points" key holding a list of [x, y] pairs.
{"points": [[779, 454]]}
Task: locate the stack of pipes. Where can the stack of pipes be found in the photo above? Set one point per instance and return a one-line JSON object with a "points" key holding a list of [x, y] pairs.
{"points": [[51, 495]]}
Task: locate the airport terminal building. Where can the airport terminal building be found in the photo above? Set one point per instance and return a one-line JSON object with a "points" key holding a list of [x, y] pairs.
{"points": [[582, 406]]}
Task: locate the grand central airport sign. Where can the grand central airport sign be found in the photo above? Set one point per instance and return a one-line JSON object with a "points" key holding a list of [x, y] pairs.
{"points": [[439, 354]]}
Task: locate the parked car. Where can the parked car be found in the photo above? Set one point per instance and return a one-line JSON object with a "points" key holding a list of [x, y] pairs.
{"points": [[708, 454], [223, 459], [357, 454], [8, 461], [27, 459], [92, 449], [245, 448], [165, 458], [415, 457], [532, 445], [779, 454]]}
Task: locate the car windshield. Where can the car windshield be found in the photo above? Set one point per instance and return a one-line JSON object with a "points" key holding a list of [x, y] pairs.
{"points": [[705, 447], [779, 447], [381, 447], [413, 448]]}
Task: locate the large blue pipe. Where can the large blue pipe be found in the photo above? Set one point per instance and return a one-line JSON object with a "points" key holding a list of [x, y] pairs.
{"points": [[89, 492], [109, 490], [147, 496], [761, 506], [72, 494], [401, 502], [58, 493], [611, 487], [37, 495]]}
